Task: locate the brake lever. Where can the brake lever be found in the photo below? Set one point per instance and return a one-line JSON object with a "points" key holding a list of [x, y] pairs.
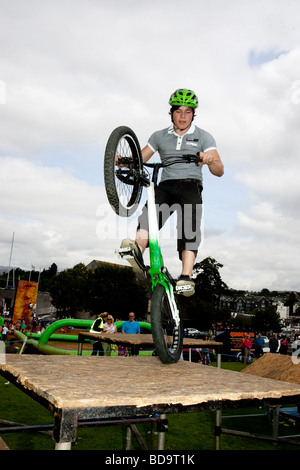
{"points": [[198, 159], [194, 158]]}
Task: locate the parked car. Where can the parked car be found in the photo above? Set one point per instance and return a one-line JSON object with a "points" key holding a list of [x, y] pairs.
{"points": [[192, 333], [266, 347]]}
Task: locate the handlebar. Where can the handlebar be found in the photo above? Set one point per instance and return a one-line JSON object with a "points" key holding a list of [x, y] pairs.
{"points": [[143, 178], [195, 158]]}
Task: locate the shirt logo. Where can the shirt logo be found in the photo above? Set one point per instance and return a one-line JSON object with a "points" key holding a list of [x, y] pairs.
{"points": [[192, 144]]}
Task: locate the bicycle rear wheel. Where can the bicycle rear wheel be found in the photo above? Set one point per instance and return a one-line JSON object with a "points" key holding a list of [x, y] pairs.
{"points": [[167, 337], [123, 189]]}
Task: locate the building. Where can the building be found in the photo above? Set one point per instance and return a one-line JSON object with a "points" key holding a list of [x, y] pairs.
{"points": [[246, 303]]}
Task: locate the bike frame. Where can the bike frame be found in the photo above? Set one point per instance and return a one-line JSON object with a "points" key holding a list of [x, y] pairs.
{"points": [[157, 269], [158, 272]]}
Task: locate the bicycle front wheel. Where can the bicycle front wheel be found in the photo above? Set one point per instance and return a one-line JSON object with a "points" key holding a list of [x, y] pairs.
{"points": [[122, 162], [167, 337]]}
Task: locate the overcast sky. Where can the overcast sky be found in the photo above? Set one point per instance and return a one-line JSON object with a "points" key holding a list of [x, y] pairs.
{"points": [[73, 70]]}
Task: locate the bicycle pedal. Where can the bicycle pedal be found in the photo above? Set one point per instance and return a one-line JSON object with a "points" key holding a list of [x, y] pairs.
{"points": [[126, 252], [183, 289]]}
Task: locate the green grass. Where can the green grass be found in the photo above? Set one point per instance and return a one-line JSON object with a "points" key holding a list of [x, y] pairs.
{"points": [[186, 431]]}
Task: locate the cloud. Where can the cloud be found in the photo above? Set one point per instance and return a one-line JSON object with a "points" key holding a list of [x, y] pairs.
{"points": [[72, 71], [257, 58], [51, 213]]}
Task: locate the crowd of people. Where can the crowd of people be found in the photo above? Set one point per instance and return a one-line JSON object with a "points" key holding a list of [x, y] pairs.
{"points": [[277, 344], [105, 323]]}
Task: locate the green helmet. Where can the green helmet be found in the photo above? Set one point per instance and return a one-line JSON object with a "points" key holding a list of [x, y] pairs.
{"points": [[184, 97]]}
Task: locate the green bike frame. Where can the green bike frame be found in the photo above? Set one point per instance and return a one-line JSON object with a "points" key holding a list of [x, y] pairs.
{"points": [[156, 270]]}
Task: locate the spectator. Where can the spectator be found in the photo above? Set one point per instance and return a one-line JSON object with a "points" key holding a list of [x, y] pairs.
{"points": [[97, 327], [284, 344], [1, 326], [259, 345], [246, 346], [4, 331], [273, 343], [108, 327], [205, 354], [131, 326]]}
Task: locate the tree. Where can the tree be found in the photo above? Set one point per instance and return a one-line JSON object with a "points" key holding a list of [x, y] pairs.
{"points": [[116, 290], [109, 288], [47, 276], [68, 290], [209, 283], [292, 298], [268, 319], [201, 310]]}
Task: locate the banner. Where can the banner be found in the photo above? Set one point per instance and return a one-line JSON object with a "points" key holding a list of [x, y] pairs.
{"points": [[25, 300]]}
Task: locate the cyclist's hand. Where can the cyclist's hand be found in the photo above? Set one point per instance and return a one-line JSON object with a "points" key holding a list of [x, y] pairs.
{"points": [[206, 158], [213, 160]]}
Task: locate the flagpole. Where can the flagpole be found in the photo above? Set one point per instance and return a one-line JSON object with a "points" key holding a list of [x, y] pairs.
{"points": [[11, 249]]}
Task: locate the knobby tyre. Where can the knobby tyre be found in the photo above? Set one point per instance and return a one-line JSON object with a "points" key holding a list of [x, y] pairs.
{"points": [[123, 189], [167, 337]]}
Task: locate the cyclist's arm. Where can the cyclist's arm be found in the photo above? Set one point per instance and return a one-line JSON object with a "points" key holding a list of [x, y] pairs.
{"points": [[212, 159], [147, 153]]}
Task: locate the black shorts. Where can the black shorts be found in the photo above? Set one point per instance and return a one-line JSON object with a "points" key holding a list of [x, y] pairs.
{"points": [[185, 198]]}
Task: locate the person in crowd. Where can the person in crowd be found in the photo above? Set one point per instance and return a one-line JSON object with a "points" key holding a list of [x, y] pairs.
{"points": [[273, 343], [246, 347], [259, 345], [284, 344], [205, 354], [108, 327], [97, 327], [5, 331], [131, 326], [1, 326]]}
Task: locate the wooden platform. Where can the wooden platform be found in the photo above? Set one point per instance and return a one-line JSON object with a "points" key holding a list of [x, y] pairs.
{"points": [[86, 387], [143, 340]]}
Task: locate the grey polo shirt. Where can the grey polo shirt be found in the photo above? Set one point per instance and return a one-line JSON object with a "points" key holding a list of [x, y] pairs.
{"points": [[169, 144]]}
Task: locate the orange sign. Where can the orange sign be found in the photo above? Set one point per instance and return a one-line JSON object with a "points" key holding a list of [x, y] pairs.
{"points": [[25, 300]]}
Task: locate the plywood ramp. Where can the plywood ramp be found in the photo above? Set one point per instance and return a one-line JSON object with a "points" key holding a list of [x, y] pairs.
{"points": [[275, 366], [117, 382], [3, 445]]}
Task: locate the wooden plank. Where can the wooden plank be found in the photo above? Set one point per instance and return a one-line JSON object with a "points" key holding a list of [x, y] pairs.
{"points": [[142, 340]]}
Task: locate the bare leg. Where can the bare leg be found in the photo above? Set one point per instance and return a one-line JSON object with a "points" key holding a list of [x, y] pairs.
{"points": [[142, 238], [188, 261], [188, 257]]}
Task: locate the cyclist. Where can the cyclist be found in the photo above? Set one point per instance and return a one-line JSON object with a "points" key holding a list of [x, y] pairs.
{"points": [[180, 186]]}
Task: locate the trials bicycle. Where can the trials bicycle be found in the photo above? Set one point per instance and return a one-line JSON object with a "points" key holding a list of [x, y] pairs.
{"points": [[125, 177]]}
